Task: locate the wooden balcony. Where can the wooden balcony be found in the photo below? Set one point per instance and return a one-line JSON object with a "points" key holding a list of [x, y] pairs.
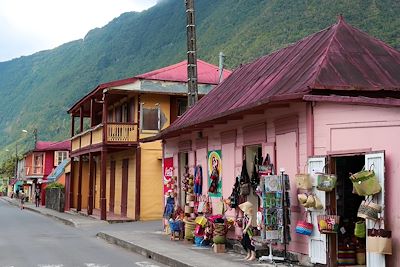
{"points": [[116, 134]]}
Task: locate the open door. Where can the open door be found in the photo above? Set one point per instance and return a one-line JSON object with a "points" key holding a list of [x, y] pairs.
{"points": [[317, 243], [376, 161]]}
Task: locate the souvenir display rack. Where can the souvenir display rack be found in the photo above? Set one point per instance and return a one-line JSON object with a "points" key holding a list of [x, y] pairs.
{"points": [[275, 209]]}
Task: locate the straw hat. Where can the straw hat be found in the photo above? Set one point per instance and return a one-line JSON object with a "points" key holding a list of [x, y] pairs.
{"points": [[247, 208]]}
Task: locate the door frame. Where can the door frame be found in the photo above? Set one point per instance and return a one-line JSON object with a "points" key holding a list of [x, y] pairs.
{"points": [[331, 197]]}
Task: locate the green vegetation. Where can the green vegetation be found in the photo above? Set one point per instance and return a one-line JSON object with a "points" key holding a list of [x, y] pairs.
{"points": [[7, 167], [55, 185], [37, 90]]}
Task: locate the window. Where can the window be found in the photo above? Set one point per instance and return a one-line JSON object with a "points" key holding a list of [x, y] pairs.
{"points": [[150, 118], [124, 111], [182, 105], [60, 156], [38, 163]]}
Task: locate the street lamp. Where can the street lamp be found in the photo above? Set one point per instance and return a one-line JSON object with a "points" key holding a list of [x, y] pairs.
{"points": [[34, 135]]}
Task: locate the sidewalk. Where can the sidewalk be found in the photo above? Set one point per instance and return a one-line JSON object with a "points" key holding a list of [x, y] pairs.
{"points": [[146, 238]]}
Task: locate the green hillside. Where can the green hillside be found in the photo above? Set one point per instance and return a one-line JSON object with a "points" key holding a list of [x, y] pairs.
{"points": [[37, 90]]}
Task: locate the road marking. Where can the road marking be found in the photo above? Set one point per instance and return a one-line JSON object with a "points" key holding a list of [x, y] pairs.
{"points": [[145, 264], [50, 265], [95, 265]]}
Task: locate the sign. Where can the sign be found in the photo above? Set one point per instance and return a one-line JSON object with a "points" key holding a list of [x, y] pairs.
{"points": [[214, 163], [168, 174]]}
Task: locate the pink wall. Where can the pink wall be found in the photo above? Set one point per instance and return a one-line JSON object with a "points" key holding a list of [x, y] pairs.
{"points": [[341, 128], [254, 129], [48, 163]]}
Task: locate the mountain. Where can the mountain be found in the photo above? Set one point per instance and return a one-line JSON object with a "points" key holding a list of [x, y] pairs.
{"points": [[37, 90]]}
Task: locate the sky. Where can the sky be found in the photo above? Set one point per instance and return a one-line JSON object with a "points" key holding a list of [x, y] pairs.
{"points": [[29, 26]]}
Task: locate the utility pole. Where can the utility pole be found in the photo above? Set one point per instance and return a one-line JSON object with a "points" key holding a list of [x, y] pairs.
{"points": [[191, 53], [16, 159]]}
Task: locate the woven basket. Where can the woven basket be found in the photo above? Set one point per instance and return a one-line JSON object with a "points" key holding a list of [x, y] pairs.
{"points": [[189, 229]]}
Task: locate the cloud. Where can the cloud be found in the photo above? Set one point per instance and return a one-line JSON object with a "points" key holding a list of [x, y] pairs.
{"points": [[28, 26]]}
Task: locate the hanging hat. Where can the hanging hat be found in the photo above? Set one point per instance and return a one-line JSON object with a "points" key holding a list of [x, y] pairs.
{"points": [[246, 207]]}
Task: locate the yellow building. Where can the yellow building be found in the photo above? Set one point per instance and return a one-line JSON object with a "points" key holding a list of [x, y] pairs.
{"points": [[114, 175]]}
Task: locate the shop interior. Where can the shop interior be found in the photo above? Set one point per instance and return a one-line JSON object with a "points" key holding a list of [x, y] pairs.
{"points": [[253, 153], [350, 249]]}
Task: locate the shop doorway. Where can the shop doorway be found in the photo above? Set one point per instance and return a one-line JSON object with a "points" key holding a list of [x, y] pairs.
{"points": [[253, 156], [183, 162], [348, 245]]}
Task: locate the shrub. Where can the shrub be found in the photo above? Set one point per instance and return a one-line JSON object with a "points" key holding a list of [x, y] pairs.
{"points": [[55, 185]]}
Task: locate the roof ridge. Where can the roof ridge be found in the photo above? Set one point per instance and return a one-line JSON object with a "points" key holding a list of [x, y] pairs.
{"points": [[325, 55]]}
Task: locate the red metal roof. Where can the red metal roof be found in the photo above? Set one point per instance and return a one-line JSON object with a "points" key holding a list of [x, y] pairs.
{"points": [[48, 146], [339, 57], [206, 72]]}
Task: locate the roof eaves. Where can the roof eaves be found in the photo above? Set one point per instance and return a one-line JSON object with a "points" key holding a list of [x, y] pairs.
{"points": [[171, 130]]}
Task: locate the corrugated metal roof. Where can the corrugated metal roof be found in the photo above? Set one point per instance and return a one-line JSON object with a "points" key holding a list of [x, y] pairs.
{"points": [[340, 57], [58, 170], [48, 146], [206, 72]]}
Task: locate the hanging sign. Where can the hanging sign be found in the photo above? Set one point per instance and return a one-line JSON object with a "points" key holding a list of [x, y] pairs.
{"points": [[168, 174], [215, 173]]}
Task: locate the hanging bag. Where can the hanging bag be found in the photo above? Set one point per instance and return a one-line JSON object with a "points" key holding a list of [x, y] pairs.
{"points": [[369, 210], [328, 223], [304, 227], [365, 182], [255, 178], [360, 229], [244, 180], [326, 182], [303, 180], [379, 241]]}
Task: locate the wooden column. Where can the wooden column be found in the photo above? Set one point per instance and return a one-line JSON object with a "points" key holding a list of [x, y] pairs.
{"points": [[81, 119], [91, 112], [103, 200], [103, 159], [72, 125], [79, 193], [112, 186], [71, 184], [91, 184]]}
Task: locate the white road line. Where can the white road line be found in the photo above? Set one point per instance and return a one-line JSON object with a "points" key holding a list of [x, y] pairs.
{"points": [[95, 265], [50, 265], [145, 264]]}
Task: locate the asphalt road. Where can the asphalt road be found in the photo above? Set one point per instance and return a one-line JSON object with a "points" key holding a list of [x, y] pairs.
{"points": [[30, 239]]}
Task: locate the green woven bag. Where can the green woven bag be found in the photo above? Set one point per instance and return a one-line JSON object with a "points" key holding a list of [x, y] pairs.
{"points": [[365, 183]]}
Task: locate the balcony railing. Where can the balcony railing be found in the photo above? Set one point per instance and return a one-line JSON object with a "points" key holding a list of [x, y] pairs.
{"points": [[116, 133]]}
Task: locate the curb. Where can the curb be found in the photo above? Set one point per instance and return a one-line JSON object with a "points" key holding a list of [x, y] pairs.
{"points": [[142, 251], [64, 221]]}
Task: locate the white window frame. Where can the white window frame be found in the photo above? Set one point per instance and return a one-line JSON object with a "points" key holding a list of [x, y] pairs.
{"points": [[57, 154]]}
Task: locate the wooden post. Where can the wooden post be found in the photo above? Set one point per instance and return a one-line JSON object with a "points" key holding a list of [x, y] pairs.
{"points": [[79, 193], [72, 125], [91, 112], [71, 184], [103, 200], [103, 159], [91, 184], [81, 119]]}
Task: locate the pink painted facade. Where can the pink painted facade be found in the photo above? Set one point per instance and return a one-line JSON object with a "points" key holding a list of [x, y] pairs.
{"points": [[293, 132]]}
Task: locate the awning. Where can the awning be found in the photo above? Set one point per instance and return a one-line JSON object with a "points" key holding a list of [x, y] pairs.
{"points": [[57, 172]]}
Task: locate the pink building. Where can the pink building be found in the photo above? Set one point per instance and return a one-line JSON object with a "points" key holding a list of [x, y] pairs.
{"points": [[330, 99]]}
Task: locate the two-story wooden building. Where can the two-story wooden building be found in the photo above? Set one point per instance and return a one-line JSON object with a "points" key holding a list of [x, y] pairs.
{"points": [[40, 162], [112, 173]]}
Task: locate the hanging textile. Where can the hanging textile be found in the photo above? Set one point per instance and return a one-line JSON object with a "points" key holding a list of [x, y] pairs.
{"points": [[198, 180]]}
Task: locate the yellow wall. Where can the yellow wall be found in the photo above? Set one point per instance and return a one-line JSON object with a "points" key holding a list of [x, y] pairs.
{"points": [[85, 184], [119, 157], [151, 197]]}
